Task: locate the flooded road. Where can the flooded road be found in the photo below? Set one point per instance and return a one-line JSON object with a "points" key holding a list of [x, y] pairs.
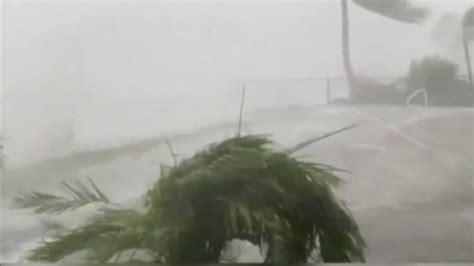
{"points": [[410, 180]]}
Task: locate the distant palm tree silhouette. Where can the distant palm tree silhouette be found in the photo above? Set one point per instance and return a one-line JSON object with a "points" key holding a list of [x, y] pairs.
{"points": [[468, 36], [400, 10]]}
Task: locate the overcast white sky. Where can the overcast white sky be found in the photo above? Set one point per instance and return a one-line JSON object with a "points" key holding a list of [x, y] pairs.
{"points": [[75, 71]]}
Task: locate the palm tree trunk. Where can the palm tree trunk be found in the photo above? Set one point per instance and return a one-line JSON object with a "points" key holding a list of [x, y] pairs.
{"points": [[468, 63], [346, 51]]}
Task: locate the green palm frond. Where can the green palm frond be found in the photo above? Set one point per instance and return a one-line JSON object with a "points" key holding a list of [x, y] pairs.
{"points": [[237, 189], [132, 234], [108, 233], [73, 241], [79, 195], [400, 10]]}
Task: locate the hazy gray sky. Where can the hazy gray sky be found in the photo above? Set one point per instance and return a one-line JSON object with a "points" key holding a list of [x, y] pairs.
{"points": [[75, 72]]}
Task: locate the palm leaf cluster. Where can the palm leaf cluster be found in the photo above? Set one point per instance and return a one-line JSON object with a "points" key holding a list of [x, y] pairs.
{"points": [[79, 195], [468, 19], [237, 189], [400, 10]]}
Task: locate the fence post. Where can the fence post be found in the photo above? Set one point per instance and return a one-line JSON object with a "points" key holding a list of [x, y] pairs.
{"points": [[328, 90]]}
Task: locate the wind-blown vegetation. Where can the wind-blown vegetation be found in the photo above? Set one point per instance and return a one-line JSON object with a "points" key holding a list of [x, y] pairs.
{"points": [[433, 73], [79, 195], [363, 90], [439, 77], [468, 36], [236, 189]]}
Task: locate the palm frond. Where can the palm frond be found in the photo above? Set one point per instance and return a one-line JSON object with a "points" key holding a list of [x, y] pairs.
{"points": [[108, 233], [468, 25], [237, 189], [80, 195], [98, 192], [131, 236], [64, 245], [400, 10], [468, 19]]}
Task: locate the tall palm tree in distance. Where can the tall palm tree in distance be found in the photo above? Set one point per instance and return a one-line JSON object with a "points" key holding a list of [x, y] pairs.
{"points": [[400, 10], [468, 36]]}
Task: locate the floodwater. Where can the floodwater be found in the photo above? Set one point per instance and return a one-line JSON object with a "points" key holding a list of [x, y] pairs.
{"points": [[410, 180]]}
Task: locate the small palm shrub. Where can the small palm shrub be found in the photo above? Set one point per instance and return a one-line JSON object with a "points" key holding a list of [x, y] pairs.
{"points": [[432, 73], [236, 189], [441, 80]]}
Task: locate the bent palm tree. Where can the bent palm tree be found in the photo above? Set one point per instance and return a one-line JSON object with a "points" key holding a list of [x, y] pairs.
{"points": [[237, 189], [400, 10], [468, 36]]}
